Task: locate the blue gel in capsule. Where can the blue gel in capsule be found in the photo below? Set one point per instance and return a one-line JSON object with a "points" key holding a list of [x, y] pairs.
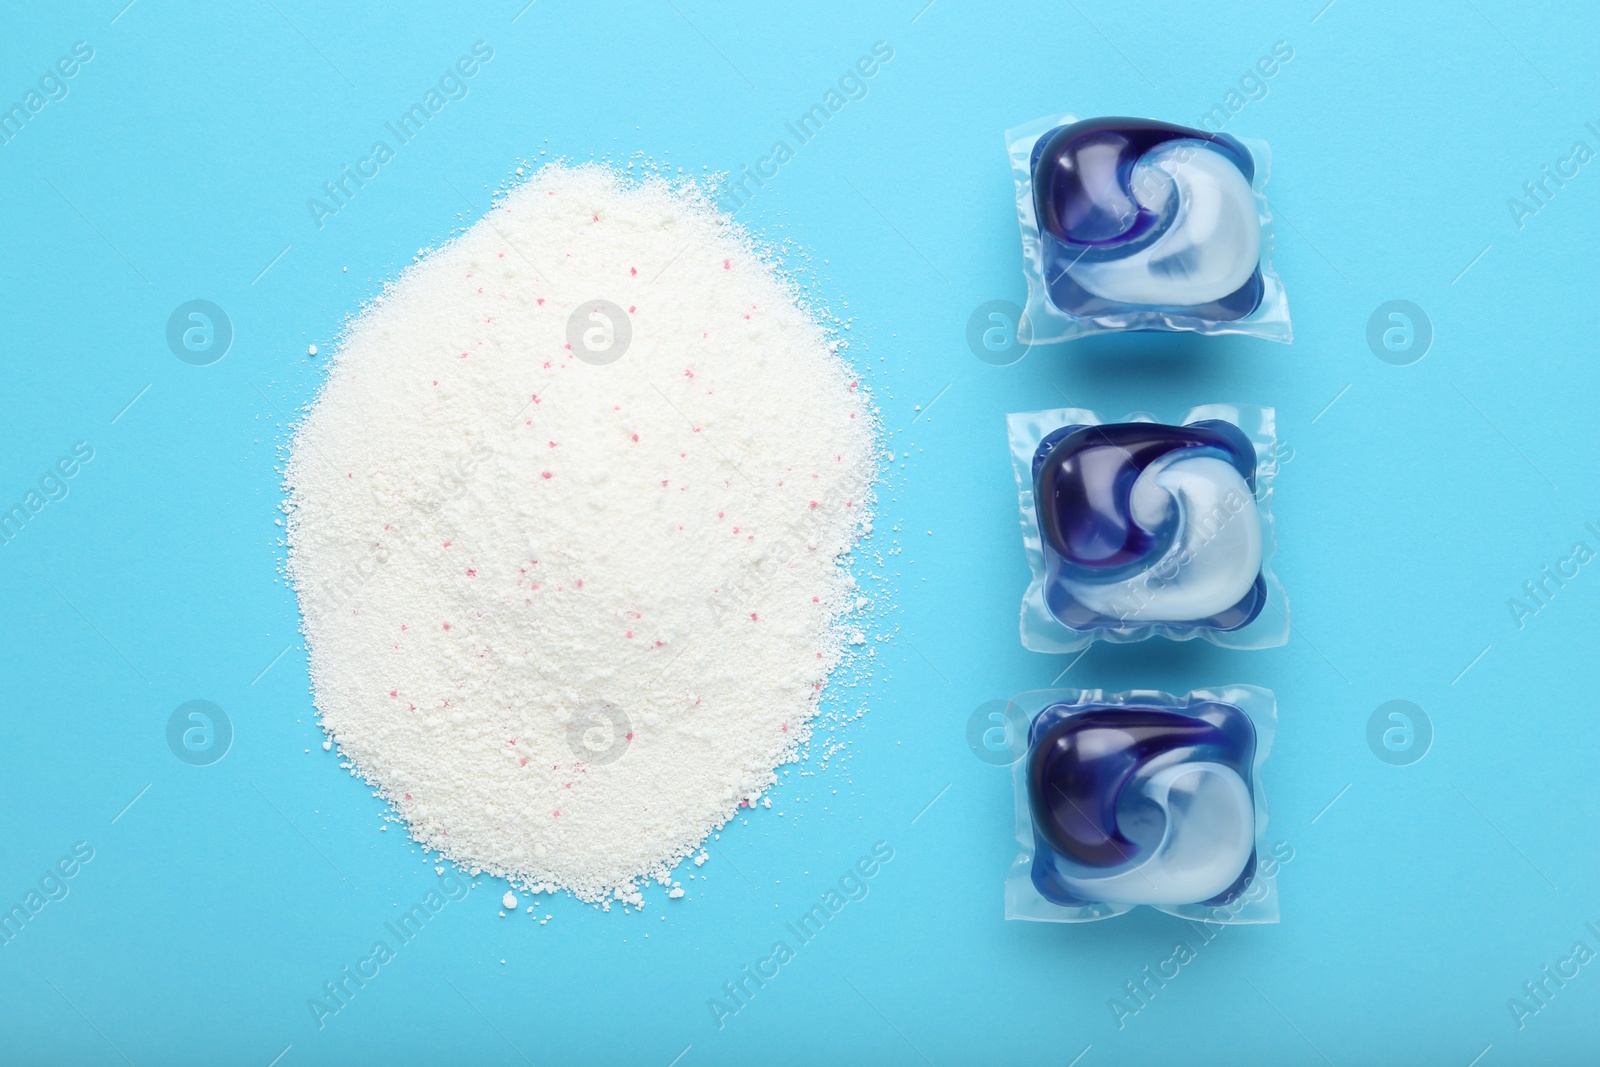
{"points": [[1142, 804], [1148, 525]]}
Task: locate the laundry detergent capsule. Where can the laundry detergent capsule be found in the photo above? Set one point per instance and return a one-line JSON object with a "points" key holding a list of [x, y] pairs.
{"points": [[1136, 224], [1143, 798], [1137, 528]]}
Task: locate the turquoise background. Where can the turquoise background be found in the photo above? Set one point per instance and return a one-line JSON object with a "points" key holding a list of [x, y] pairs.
{"points": [[1419, 899]]}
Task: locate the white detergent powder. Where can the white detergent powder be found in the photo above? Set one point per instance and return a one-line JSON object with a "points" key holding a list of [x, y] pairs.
{"points": [[569, 523]]}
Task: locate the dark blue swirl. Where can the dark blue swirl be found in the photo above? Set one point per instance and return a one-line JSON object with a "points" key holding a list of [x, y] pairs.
{"points": [[1083, 477], [1085, 765], [1083, 216]]}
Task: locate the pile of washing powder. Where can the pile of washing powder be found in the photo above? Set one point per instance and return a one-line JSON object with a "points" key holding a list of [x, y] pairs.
{"points": [[571, 523]]}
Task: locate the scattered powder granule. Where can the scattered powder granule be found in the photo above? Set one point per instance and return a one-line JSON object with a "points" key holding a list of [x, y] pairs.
{"points": [[569, 522]]}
